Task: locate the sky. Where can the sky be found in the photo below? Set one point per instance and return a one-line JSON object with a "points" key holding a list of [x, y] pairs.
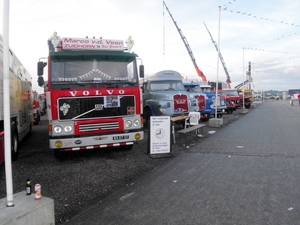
{"points": [[265, 33]]}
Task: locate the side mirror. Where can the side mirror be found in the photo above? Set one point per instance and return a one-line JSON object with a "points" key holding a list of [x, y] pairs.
{"points": [[40, 68], [41, 81], [142, 73]]}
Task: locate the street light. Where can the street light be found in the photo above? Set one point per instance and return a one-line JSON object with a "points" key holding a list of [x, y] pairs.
{"points": [[217, 83], [244, 110]]}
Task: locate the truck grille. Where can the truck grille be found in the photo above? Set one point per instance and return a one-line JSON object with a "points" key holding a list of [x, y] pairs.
{"points": [[201, 101], [98, 127], [95, 107], [181, 103]]}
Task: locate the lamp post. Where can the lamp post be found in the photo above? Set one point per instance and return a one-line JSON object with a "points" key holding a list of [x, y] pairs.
{"points": [[217, 122], [6, 110], [244, 110], [217, 83]]}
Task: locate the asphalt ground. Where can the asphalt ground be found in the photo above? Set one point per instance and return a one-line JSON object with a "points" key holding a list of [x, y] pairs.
{"points": [[246, 173]]}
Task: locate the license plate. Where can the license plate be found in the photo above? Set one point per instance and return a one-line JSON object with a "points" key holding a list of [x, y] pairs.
{"points": [[121, 137]]}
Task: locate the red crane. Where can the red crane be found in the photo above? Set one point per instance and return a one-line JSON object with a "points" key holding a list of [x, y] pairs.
{"points": [[199, 72], [228, 81]]}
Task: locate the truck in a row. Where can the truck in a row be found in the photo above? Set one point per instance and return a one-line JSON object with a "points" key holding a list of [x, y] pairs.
{"points": [[93, 94], [21, 118]]}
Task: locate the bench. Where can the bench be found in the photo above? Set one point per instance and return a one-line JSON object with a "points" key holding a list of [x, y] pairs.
{"points": [[189, 129]]}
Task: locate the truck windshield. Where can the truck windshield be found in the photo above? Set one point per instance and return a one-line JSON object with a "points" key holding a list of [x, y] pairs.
{"points": [[93, 71], [231, 93], [166, 85], [206, 89], [193, 88]]}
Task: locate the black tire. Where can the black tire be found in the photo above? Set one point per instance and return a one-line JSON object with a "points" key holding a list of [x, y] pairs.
{"points": [[30, 130], [229, 111], [38, 116], [247, 106], [14, 143], [36, 121], [148, 114]]}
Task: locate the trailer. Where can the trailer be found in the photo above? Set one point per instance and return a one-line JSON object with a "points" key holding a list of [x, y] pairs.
{"points": [[21, 102]]}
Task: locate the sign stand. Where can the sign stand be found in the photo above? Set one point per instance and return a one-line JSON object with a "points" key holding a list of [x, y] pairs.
{"points": [[159, 144]]}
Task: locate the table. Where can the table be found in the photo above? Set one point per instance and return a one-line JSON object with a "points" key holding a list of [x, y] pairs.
{"points": [[176, 119]]}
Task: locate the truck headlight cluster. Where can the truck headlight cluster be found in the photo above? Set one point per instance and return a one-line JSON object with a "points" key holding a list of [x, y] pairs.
{"points": [[129, 123], [57, 129]]}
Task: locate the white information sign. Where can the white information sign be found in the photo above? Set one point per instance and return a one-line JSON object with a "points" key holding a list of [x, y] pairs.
{"points": [[160, 134]]}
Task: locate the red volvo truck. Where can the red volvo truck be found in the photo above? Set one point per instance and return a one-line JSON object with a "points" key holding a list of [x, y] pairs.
{"points": [[92, 92]]}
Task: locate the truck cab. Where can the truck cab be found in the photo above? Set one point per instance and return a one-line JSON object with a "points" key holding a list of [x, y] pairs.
{"points": [[164, 94], [232, 96], [204, 102], [247, 97], [221, 103]]}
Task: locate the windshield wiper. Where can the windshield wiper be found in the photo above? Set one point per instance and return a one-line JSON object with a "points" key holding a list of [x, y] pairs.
{"points": [[128, 83]]}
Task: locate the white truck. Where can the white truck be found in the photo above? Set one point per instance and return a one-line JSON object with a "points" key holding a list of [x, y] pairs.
{"points": [[20, 103]]}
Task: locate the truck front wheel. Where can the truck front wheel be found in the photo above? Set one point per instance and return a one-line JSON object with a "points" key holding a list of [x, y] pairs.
{"points": [[229, 111], [14, 143], [148, 114]]}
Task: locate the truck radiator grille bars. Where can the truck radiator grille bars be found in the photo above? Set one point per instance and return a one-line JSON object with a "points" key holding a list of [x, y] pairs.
{"points": [[181, 103], [96, 127], [94, 107]]}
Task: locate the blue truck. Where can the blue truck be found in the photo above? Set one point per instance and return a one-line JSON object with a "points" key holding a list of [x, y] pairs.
{"points": [[211, 98]]}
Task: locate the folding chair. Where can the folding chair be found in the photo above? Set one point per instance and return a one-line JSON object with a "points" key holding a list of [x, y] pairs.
{"points": [[193, 119]]}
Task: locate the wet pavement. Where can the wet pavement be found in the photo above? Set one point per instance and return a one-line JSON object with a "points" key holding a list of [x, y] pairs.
{"points": [[246, 173]]}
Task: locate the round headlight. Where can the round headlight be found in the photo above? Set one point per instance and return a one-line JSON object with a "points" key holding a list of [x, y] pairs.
{"points": [[68, 128], [57, 129], [163, 111], [128, 123], [136, 123]]}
